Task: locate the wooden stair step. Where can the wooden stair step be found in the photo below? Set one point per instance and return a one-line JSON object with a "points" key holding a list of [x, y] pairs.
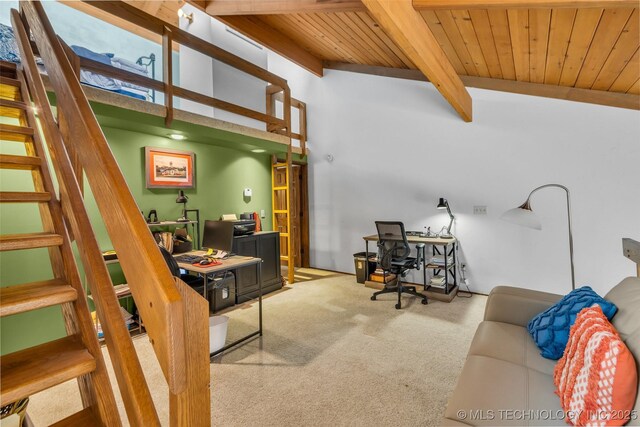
{"points": [[24, 197], [38, 368], [10, 89], [32, 296], [16, 133], [14, 242], [9, 161], [12, 109], [86, 417]]}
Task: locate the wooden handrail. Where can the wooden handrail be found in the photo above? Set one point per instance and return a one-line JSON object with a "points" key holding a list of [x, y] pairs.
{"points": [[117, 73], [136, 395], [276, 94], [172, 34], [156, 25], [177, 336]]}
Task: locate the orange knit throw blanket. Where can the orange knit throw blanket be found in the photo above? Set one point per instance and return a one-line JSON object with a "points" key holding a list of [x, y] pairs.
{"points": [[594, 379]]}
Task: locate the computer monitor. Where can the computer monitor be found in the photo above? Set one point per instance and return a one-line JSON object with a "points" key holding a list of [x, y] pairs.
{"points": [[218, 235]]}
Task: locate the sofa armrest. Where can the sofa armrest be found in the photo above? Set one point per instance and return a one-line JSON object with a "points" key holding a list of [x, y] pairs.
{"points": [[517, 306]]}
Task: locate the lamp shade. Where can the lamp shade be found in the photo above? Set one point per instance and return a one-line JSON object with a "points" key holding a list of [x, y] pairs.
{"points": [[442, 203], [181, 197], [524, 217]]}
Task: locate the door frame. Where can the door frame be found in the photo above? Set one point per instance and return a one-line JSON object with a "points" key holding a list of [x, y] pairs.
{"points": [[304, 206], [304, 213]]}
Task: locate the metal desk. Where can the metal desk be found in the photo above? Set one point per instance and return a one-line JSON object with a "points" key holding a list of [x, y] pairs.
{"points": [[434, 242], [231, 263]]}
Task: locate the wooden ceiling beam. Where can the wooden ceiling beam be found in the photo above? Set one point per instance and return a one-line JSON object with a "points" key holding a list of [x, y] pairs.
{"points": [[520, 4], [263, 33], [121, 23], [405, 26], [278, 7], [590, 96]]}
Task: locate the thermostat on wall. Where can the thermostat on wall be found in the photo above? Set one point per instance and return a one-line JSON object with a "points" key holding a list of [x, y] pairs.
{"points": [[247, 192]]}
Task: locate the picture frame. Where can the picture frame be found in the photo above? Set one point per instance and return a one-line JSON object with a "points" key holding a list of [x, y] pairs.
{"points": [[167, 168]]}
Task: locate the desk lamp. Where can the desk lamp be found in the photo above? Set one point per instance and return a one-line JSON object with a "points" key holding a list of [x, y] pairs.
{"points": [[183, 199], [523, 215], [444, 204]]}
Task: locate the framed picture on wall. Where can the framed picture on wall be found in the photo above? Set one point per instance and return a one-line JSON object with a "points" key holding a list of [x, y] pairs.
{"points": [[166, 168]]}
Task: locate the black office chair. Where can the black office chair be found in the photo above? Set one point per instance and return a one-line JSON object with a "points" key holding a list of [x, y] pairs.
{"points": [[196, 282], [393, 258]]}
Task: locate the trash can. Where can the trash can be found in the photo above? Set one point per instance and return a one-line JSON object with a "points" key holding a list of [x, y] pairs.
{"points": [[217, 332], [359, 259]]}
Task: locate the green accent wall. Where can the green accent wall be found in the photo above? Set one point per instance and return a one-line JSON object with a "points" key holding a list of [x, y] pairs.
{"points": [[221, 175]]}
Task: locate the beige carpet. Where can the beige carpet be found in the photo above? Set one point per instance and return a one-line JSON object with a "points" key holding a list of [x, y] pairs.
{"points": [[329, 356]]}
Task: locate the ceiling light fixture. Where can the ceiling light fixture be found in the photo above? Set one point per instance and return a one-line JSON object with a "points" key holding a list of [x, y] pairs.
{"points": [[258, 150], [177, 136]]}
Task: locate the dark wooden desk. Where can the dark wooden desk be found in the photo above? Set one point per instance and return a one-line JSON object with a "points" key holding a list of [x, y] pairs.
{"points": [[231, 263]]}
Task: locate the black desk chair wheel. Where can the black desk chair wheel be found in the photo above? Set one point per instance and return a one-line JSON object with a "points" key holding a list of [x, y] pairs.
{"points": [[393, 258]]}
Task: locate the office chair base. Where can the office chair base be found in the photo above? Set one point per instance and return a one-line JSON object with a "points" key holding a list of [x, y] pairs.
{"points": [[399, 289]]}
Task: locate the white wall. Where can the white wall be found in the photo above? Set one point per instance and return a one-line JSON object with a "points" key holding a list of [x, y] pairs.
{"points": [[398, 146], [196, 69], [203, 74], [234, 86]]}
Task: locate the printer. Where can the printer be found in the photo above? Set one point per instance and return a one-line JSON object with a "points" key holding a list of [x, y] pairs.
{"points": [[243, 226]]}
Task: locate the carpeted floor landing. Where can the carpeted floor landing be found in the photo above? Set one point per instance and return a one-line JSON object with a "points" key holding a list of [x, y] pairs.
{"points": [[329, 356]]}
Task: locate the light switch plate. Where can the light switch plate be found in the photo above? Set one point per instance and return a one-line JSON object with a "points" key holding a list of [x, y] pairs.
{"points": [[479, 210], [262, 214]]}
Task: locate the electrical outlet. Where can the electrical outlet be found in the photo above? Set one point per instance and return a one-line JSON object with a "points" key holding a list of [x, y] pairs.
{"points": [[262, 214], [479, 210]]}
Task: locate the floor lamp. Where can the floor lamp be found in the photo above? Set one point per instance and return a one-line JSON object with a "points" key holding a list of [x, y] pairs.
{"points": [[523, 215]]}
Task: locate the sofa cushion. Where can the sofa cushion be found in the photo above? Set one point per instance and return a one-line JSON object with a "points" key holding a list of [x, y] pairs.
{"points": [[550, 329], [510, 343], [626, 295], [495, 392], [517, 305]]}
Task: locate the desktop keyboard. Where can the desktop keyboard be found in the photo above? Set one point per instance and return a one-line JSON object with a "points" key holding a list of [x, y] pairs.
{"points": [[189, 259]]}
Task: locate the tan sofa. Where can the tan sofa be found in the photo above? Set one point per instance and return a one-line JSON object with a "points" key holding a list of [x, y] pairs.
{"points": [[504, 380]]}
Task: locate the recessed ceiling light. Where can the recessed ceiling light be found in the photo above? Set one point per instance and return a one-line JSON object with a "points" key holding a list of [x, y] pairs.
{"points": [[258, 150], [177, 136]]}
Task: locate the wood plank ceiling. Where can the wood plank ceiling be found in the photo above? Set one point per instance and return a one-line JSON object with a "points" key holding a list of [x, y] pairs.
{"points": [[584, 48], [580, 50]]}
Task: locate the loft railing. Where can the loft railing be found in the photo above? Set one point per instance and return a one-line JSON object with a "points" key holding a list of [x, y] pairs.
{"points": [[176, 318], [275, 95], [172, 34]]}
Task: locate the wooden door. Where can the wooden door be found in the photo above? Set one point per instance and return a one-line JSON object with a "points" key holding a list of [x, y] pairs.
{"points": [[298, 211]]}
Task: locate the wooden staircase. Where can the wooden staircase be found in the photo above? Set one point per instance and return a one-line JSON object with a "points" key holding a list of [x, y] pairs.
{"points": [[78, 355], [69, 146]]}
